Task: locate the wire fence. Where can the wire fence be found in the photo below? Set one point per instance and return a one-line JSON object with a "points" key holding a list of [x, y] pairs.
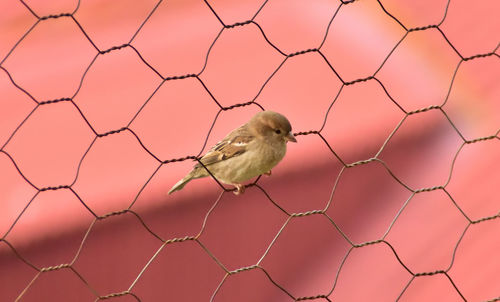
{"points": [[327, 213]]}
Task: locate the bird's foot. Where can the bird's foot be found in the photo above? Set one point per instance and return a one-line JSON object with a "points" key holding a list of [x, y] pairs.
{"points": [[268, 173], [240, 189]]}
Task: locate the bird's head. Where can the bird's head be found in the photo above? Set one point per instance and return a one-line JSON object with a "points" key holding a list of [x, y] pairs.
{"points": [[271, 124]]}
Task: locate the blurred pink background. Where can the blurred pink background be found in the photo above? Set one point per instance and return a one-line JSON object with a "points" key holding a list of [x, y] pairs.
{"points": [[392, 196]]}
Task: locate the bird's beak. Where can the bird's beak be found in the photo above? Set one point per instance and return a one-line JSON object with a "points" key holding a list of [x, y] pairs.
{"points": [[290, 138]]}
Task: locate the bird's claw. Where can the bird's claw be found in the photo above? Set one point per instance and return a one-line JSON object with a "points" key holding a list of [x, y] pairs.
{"points": [[240, 189]]}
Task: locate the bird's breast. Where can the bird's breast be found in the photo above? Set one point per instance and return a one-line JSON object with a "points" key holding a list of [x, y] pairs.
{"points": [[253, 162]]}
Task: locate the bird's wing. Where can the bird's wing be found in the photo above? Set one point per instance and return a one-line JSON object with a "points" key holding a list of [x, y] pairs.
{"points": [[234, 144]]}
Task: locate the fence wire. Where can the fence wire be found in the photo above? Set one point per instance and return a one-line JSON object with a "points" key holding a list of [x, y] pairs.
{"points": [[315, 132]]}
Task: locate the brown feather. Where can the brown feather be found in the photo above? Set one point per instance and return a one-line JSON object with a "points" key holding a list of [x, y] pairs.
{"points": [[232, 145]]}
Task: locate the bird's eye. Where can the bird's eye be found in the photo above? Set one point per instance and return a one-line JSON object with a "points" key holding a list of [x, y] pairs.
{"points": [[278, 131]]}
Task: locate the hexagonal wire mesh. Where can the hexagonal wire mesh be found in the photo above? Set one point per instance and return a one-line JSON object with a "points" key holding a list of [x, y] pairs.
{"points": [[347, 228]]}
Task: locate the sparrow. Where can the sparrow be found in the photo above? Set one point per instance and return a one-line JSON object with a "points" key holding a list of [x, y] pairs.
{"points": [[246, 152]]}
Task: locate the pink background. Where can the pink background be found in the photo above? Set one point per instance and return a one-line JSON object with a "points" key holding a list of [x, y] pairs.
{"points": [[394, 193]]}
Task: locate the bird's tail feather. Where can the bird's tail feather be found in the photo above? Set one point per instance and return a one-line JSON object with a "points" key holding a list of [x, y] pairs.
{"points": [[180, 184], [194, 174]]}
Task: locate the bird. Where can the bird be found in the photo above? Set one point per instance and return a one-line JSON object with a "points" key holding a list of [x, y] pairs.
{"points": [[251, 150]]}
